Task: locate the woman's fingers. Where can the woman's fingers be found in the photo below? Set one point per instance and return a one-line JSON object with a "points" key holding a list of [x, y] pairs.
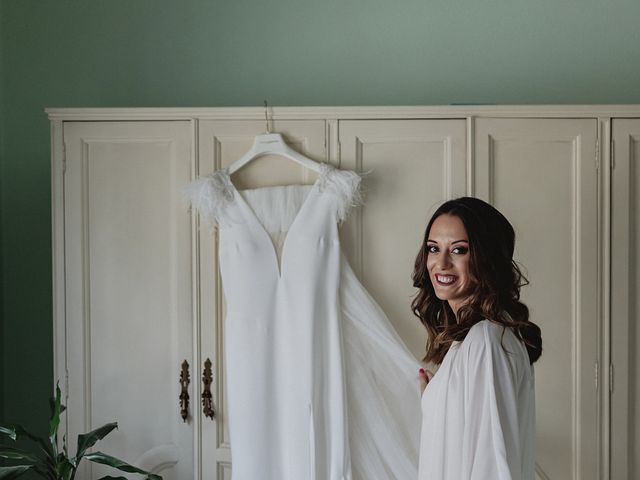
{"points": [[425, 377]]}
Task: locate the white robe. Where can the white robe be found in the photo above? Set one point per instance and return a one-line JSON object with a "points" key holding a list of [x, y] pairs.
{"points": [[478, 411]]}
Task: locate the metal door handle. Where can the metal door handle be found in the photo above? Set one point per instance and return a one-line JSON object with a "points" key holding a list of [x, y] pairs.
{"points": [[184, 394], [207, 397]]}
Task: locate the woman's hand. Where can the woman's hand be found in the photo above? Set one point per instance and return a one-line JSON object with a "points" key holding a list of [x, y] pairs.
{"points": [[425, 377]]}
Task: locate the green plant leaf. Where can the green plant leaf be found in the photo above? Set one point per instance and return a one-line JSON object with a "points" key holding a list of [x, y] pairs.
{"points": [[64, 467], [16, 454], [54, 423], [88, 440], [9, 473], [104, 459], [16, 431], [9, 431]]}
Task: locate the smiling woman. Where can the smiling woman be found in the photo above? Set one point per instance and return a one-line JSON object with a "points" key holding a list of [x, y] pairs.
{"points": [[448, 260], [478, 410]]}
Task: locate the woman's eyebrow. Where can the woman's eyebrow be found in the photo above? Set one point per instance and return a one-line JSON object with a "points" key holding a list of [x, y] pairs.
{"points": [[457, 241]]}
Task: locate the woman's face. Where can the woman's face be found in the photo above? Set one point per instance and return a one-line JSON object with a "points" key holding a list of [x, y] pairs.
{"points": [[448, 260]]}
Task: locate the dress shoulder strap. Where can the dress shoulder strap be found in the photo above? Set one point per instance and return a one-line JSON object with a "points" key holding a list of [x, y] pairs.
{"points": [[345, 184], [210, 195]]}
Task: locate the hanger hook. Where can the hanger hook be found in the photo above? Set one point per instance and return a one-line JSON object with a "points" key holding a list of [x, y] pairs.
{"points": [[266, 118]]}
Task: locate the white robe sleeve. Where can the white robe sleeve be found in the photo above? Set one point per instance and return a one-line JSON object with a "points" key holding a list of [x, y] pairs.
{"points": [[491, 437]]}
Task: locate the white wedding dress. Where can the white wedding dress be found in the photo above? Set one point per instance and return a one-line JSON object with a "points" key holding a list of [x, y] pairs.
{"points": [[320, 386]]}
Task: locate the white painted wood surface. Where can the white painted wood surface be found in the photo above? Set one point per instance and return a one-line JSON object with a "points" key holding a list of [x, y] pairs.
{"points": [[128, 278], [411, 167], [542, 175], [625, 301], [124, 167]]}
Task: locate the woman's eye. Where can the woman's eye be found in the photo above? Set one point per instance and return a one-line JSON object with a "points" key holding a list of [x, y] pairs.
{"points": [[457, 250]]}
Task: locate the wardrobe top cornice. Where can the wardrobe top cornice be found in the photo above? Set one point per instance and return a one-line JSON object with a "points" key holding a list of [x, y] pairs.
{"points": [[343, 113]]}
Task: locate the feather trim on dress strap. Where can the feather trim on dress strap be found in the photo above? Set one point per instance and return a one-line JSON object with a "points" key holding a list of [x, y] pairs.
{"points": [[345, 184], [210, 195]]}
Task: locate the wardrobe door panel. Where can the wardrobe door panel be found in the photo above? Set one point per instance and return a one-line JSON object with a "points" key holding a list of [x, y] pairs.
{"points": [[128, 284], [625, 301], [411, 167], [220, 143], [542, 175]]}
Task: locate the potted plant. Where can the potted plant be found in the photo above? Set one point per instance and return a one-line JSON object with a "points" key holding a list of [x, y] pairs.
{"points": [[52, 464]]}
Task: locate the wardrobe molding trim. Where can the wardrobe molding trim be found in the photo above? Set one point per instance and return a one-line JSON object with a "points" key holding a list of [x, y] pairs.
{"points": [[343, 113]]}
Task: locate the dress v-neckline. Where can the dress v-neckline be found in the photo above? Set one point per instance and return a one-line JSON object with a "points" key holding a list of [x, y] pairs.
{"points": [[260, 225]]}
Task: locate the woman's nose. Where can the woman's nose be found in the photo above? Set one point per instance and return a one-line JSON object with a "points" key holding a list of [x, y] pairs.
{"points": [[444, 261]]}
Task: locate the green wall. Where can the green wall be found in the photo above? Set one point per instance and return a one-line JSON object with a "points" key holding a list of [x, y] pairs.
{"points": [[94, 53], [1, 223]]}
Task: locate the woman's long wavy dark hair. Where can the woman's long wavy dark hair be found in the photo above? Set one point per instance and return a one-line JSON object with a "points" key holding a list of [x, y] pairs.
{"points": [[496, 280]]}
